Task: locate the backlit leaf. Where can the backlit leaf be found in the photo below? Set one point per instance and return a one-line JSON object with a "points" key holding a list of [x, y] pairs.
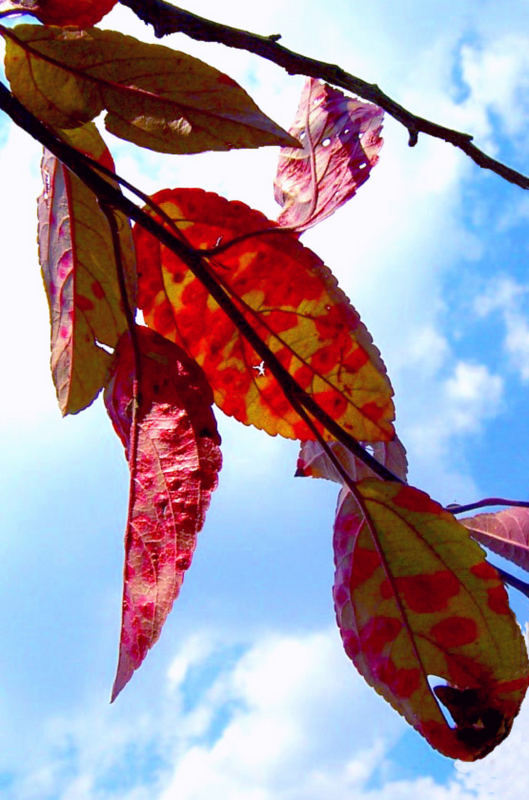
{"points": [[292, 301], [79, 271], [341, 141], [154, 96], [313, 462], [82, 13], [505, 533], [172, 447], [415, 599]]}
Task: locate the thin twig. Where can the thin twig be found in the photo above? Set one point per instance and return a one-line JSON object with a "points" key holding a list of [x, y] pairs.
{"points": [[77, 163], [166, 18], [128, 310], [455, 508]]}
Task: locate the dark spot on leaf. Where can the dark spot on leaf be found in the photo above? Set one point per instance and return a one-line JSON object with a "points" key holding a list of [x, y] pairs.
{"points": [[479, 726]]}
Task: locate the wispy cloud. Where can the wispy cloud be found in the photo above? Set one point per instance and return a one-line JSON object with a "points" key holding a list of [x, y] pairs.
{"points": [[287, 717], [508, 298]]}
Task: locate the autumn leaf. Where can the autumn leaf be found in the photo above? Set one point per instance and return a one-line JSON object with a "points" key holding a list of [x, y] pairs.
{"points": [[291, 300], [313, 461], [505, 533], [63, 12], [79, 270], [154, 97], [416, 600], [341, 141], [172, 447]]}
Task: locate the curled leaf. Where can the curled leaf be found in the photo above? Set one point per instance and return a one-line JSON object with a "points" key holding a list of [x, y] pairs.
{"points": [[505, 533], [289, 298], [80, 274], [416, 600], [172, 447], [154, 97], [313, 461], [341, 141]]}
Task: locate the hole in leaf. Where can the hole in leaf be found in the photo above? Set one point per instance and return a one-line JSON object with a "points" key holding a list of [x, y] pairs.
{"points": [[326, 142], [362, 166], [346, 131], [437, 683], [302, 135]]}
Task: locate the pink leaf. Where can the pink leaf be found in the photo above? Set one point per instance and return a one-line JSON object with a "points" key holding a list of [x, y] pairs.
{"points": [[505, 533], [341, 141], [173, 451], [313, 462]]}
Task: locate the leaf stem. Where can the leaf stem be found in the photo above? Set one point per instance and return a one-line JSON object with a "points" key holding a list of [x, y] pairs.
{"points": [[166, 18], [128, 310]]}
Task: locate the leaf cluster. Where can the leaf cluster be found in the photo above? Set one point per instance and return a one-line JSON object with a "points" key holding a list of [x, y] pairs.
{"points": [[241, 315]]}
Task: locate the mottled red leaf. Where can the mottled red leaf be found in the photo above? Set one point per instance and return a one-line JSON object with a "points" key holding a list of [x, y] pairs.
{"points": [[341, 141], [415, 599], [172, 446], [289, 297], [79, 270], [505, 533], [313, 462]]}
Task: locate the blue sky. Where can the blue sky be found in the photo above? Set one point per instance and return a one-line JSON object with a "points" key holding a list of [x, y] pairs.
{"points": [[248, 693]]}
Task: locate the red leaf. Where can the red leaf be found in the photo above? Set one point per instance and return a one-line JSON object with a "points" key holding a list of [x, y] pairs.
{"points": [[415, 599], [173, 451], [76, 253], [505, 533], [341, 141], [82, 13], [313, 462], [292, 302]]}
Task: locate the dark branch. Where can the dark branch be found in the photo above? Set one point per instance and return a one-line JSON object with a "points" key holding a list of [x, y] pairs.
{"points": [[488, 501], [110, 195], [513, 581], [166, 19]]}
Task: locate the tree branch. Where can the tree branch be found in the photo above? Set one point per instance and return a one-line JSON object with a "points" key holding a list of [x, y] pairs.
{"points": [[166, 18], [513, 581], [455, 508], [110, 195]]}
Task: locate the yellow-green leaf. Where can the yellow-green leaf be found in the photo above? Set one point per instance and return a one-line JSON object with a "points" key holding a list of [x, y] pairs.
{"points": [[417, 604], [155, 97], [79, 270]]}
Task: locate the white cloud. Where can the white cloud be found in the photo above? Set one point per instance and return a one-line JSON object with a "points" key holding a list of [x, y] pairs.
{"points": [[472, 395], [287, 718], [506, 296], [497, 75], [459, 405]]}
